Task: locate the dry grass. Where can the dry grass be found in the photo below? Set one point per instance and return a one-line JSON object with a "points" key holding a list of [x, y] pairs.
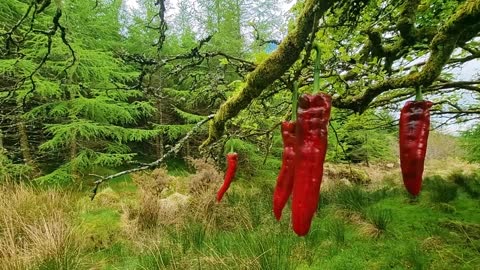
{"points": [[154, 182], [161, 204], [447, 166], [441, 146], [35, 230], [206, 175], [150, 211]]}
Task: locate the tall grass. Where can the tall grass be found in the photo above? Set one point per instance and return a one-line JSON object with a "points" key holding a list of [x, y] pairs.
{"points": [[336, 230], [158, 257], [35, 231], [416, 258]]}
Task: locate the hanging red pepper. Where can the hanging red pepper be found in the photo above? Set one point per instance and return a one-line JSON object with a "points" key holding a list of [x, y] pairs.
{"points": [[414, 129], [311, 133], [284, 186], [232, 159]]}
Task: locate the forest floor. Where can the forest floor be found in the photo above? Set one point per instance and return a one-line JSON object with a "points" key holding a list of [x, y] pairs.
{"points": [[157, 220]]}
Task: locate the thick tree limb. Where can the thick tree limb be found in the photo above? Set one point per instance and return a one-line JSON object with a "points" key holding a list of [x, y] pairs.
{"points": [[271, 69], [463, 25], [173, 150]]}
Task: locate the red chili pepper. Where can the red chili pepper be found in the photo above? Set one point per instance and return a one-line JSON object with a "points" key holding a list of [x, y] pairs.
{"points": [[232, 159], [312, 126], [414, 129], [284, 186]]}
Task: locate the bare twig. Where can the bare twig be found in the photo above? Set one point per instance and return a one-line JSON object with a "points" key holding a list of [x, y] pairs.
{"points": [[173, 150]]}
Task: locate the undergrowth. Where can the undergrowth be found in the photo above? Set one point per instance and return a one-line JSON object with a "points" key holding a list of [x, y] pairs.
{"points": [[174, 222]]}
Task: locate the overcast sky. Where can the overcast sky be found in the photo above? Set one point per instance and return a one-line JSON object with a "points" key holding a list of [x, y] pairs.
{"points": [[171, 5]]}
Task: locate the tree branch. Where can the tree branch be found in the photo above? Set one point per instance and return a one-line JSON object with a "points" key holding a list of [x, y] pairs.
{"points": [[464, 24], [173, 150], [269, 70]]}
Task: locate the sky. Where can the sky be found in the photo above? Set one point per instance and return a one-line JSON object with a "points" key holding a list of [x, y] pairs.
{"points": [[172, 4]]}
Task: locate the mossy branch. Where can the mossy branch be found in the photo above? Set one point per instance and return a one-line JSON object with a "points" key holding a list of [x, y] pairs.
{"points": [[271, 69]]}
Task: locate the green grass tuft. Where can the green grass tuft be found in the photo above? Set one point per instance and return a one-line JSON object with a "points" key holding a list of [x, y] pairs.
{"points": [[336, 230], [380, 218], [441, 191], [469, 182], [352, 198]]}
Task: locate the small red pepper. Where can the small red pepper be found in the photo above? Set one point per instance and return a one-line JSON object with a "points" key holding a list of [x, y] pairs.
{"points": [[284, 186], [232, 159], [414, 129]]}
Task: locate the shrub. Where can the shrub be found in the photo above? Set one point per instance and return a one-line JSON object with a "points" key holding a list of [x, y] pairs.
{"points": [[205, 176], [152, 182]]}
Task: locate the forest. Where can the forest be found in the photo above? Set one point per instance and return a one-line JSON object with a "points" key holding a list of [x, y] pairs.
{"points": [[239, 134]]}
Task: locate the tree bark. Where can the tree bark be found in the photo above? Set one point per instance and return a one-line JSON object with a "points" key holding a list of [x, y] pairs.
{"points": [[25, 148], [159, 138], [1, 140]]}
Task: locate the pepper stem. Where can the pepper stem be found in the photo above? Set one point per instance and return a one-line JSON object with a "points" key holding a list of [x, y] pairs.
{"points": [[316, 69], [418, 94], [231, 148], [294, 101]]}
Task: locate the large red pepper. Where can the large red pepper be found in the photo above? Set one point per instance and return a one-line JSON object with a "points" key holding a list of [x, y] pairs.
{"points": [[414, 129], [232, 159], [311, 133], [284, 186]]}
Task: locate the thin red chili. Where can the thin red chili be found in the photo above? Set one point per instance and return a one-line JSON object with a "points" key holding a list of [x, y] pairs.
{"points": [[414, 129], [284, 186], [232, 159]]}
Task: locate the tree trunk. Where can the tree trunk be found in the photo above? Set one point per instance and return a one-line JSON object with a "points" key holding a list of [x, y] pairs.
{"points": [[73, 162], [25, 148], [1, 140], [159, 138]]}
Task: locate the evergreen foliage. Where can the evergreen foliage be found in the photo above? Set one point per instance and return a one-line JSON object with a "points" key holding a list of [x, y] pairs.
{"points": [[89, 84]]}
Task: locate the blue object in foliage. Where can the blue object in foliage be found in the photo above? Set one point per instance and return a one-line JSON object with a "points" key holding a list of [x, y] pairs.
{"points": [[270, 47]]}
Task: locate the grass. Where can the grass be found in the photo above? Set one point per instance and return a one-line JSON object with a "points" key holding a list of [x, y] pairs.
{"points": [[380, 218], [441, 190], [355, 228], [469, 182]]}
